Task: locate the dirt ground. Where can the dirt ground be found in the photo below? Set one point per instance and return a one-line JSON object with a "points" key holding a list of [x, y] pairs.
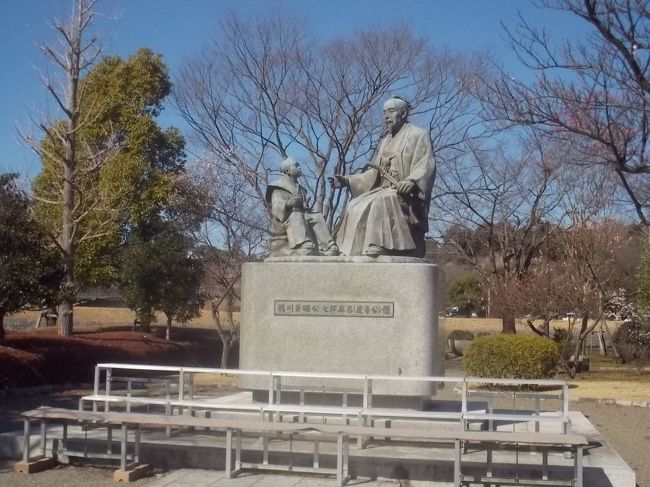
{"points": [[627, 429]]}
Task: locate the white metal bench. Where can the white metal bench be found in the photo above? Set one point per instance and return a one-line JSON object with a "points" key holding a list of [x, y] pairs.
{"points": [[489, 439]]}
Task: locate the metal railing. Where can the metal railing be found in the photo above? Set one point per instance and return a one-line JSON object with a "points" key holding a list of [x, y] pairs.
{"points": [[182, 380]]}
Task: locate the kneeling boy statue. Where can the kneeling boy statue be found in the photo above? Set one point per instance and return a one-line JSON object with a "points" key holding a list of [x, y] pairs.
{"points": [[296, 230]]}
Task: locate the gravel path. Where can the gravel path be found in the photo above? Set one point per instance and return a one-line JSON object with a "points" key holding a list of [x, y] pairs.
{"points": [[627, 429]]}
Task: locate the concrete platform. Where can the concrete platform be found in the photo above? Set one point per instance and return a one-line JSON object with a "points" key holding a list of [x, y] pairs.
{"points": [[209, 478], [603, 467]]}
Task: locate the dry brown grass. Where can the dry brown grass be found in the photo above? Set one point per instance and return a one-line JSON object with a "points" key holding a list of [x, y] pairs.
{"points": [[491, 325], [92, 317], [628, 385]]}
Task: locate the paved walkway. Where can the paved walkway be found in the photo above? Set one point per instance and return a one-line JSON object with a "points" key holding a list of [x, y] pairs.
{"points": [[210, 478]]}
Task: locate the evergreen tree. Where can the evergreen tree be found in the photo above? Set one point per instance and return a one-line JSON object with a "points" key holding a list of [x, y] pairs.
{"points": [[30, 268], [160, 272], [126, 167]]}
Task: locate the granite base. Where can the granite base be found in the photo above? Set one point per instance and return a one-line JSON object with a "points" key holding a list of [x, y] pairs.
{"points": [[341, 315]]}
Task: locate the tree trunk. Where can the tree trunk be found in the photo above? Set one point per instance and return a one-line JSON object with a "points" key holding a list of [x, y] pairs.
{"points": [[546, 326], [229, 306], [68, 241], [570, 369], [225, 354], [168, 332], [228, 343], [51, 316], [508, 323], [542, 331], [66, 321], [2, 327], [580, 342], [145, 321]]}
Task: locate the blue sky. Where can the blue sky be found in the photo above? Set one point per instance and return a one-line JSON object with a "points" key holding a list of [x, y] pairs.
{"points": [[179, 28]]}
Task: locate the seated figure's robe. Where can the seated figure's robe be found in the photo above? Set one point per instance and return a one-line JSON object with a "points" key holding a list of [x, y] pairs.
{"points": [[377, 215]]}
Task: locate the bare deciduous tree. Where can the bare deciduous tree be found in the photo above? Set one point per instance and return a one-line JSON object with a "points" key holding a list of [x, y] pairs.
{"points": [[497, 211], [591, 94], [63, 145], [265, 89], [589, 267], [232, 234]]}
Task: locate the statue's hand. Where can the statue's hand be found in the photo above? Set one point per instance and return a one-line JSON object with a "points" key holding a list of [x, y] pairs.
{"points": [[338, 181], [405, 187], [296, 203]]}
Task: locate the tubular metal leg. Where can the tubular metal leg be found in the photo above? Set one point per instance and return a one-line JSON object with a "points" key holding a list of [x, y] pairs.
{"points": [[265, 450], [26, 435], [109, 374], [578, 466], [43, 437], [238, 451], [109, 439], [64, 441], [125, 432], [136, 453], [85, 429], [96, 383], [316, 463], [168, 412], [346, 458], [491, 411], [361, 421], [457, 472], [339, 459], [517, 462], [489, 460], [128, 395], [228, 453]]}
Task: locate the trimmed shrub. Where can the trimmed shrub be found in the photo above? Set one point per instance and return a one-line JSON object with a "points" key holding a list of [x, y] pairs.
{"points": [[633, 341], [511, 357], [461, 335]]}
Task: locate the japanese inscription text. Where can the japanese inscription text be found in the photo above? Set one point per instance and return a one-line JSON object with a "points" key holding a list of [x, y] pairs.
{"points": [[369, 309]]}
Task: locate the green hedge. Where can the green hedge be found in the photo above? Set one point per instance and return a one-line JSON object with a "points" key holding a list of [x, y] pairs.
{"points": [[511, 357]]}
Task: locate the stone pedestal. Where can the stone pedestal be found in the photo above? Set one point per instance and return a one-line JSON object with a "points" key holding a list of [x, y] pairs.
{"points": [[354, 315]]}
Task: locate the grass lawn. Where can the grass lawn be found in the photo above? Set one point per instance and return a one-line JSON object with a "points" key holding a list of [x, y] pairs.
{"points": [[611, 380]]}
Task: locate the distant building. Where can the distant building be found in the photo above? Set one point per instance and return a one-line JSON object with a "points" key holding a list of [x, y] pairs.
{"points": [[100, 297]]}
